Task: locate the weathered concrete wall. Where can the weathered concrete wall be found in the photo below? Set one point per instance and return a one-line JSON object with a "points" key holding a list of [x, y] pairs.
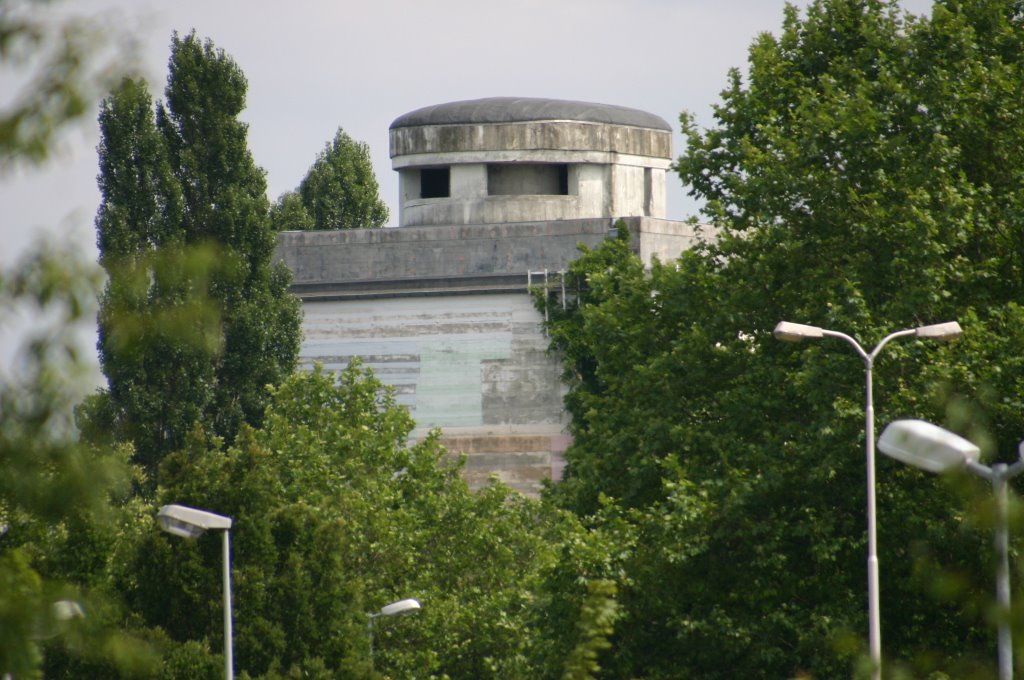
{"points": [[665, 239], [469, 181], [476, 366], [490, 210], [324, 261]]}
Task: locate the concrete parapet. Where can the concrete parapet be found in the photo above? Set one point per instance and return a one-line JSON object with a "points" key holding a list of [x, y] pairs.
{"points": [[414, 260]]}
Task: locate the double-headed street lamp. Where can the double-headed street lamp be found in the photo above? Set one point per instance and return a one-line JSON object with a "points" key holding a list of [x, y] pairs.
{"points": [[795, 332], [191, 523], [934, 449]]}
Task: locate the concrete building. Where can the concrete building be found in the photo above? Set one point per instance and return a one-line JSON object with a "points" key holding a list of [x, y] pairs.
{"points": [[496, 195]]}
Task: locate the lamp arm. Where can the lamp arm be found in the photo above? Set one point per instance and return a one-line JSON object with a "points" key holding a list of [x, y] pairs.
{"points": [[983, 471], [1014, 470], [856, 345], [1002, 471], [891, 336]]}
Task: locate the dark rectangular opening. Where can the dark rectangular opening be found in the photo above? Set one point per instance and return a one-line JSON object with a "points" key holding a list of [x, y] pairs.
{"points": [[527, 179], [434, 183]]}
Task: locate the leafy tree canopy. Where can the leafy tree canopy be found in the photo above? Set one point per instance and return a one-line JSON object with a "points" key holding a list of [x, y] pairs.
{"points": [[59, 57], [336, 515], [51, 484], [289, 214], [863, 176]]}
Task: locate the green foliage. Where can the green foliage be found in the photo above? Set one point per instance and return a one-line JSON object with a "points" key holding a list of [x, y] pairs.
{"points": [[195, 319], [289, 214], [51, 484], [335, 515], [59, 59], [596, 624], [864, 177], [339, 192]]}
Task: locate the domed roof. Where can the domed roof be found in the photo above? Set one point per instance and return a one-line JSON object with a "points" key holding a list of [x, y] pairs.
{"points": [[519, 109]]}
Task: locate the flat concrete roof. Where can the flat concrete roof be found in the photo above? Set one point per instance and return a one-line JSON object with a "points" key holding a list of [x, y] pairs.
{"points": [[520, 109]]}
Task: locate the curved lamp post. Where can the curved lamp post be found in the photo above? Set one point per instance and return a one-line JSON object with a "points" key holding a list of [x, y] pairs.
{"points": [[190, 523], [934, 449], [393, 609], [795, 332]]}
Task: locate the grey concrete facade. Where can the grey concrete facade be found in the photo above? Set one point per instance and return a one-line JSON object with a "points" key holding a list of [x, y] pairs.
{"points": [[475, 366], [443, 315], [439, 307]]}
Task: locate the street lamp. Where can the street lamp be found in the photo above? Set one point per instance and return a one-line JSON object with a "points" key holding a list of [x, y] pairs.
{"points": [[795, 332], [191, 523], [393, 609], [934, 449]]}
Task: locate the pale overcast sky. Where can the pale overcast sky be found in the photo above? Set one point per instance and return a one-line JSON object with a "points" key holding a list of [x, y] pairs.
{"points": [[316, 65]]}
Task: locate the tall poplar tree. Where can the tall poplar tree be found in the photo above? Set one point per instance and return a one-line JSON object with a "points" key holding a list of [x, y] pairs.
{"points": [[339, 191], [195, 320], [160, 380]]}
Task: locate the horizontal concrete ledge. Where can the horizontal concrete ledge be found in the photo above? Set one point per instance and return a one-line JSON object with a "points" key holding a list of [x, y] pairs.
{"points": [[442, 234], [418, 287], [529, 156], [554, 135]]}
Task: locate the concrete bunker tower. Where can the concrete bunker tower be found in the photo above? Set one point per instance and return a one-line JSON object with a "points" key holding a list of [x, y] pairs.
{"points": [[495, 196], [499, 160]]}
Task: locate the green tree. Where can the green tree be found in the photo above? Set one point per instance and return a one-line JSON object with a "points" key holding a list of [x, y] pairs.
{"points": [[159, 382], [63, 74], [195, 321], [289, 214], [862, 176], [335, 515], [596, 624], [340, 190], [49, 480]]}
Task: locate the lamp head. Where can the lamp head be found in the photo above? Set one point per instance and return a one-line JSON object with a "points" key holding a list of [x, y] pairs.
{"points": [[795, 332], [940, 331], [926, 446], [189, 522], [65, 610], [400, 607]]}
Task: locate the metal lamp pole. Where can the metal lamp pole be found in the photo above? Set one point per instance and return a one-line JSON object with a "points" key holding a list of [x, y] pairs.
{"points": [[793, 332], [999, 474], [191, 523], [229, 660], [935, 449]]}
